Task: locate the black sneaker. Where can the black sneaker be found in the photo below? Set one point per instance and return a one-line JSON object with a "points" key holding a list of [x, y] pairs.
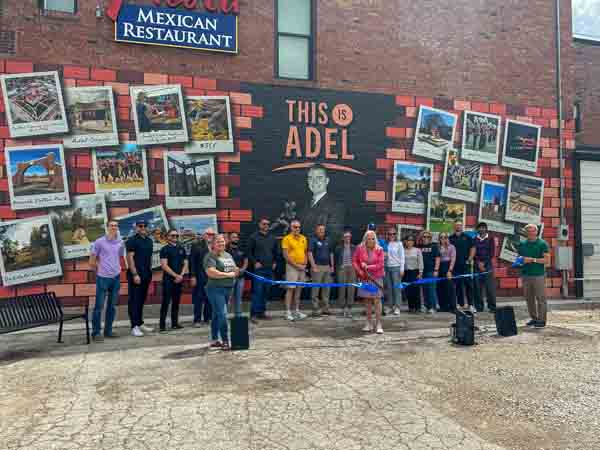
{"points": [[98, 338], [177, 327], [162, 330], [531, 323], [540, 324], [111, 336]]}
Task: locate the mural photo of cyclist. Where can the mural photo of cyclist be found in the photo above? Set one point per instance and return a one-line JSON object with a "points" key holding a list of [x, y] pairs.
{"points": [[521, 146]]}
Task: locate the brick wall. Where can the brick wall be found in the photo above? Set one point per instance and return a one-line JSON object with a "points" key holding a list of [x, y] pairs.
{"points": [[78, 281], [447, 48]]}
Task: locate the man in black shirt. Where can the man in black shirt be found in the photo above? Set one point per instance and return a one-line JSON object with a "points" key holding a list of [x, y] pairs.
{"points": [[465, 254], [431, 266], [262, 253], [199, 250], [139, 275], [174, 264]]}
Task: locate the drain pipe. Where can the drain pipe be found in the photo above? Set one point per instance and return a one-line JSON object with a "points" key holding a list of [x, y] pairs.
{"points": [[559, 108]]}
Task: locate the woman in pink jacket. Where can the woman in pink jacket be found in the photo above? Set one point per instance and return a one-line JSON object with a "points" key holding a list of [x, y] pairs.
{"points": [[368, 262]]}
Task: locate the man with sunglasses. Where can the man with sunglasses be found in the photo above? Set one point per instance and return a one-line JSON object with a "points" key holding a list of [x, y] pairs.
{"points": [[139, 259], [262, 255], [199, 250], [174, 263]]}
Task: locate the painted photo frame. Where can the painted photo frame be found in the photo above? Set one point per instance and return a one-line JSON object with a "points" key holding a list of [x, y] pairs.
{"points": [[492, 207], [34, 104], [189, 181], [412, 184], [28, 251], [37, 176], [121, 174], [443, 213], [79, 225], [92, 117], [462, 179], [525, 199], [521, 145], [481, 137], [159, 114], [209, 124], [434, 133]]}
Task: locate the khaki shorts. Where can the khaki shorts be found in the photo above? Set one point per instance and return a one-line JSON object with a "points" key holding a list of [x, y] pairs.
{"points": [[293, 274]]}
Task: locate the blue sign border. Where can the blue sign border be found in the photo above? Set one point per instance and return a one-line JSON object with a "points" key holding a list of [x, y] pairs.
{"points": [[235, 51]]}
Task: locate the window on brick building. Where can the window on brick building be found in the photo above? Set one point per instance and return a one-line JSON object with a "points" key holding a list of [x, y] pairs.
{"points": [[294, 39], [65, 6], [577, 116], [586, 19]]}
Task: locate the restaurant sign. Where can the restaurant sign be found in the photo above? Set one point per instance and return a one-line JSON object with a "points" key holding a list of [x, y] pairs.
{"points": [[177, 28]]}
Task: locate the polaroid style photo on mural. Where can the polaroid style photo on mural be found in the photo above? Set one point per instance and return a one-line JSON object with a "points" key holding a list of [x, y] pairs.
{"points": [[412, 184], [525, 199], [481, 137], [157, 228], [443, 213], [510, 251], [492, 207], [34, 104], [189, 181], [435, 133], [37, 176], [521, 146], [79, 225], [191, 228], [209, 125], [29, 251], [121, 175], [405, 231], [92, 119], [158, 113], [461, 178]]}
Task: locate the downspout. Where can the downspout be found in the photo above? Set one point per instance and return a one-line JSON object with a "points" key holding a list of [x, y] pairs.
{"points": [[559, 108]]}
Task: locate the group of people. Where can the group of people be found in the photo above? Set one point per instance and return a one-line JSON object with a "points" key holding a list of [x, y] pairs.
{"points": [[216, 265], [117, 170], [481, 131]]}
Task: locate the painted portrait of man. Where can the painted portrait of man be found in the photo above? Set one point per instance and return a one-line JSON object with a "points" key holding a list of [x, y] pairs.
{"points": [[321, 208]]}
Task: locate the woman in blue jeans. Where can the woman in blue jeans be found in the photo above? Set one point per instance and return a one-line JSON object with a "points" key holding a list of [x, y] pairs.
{"points": [[221, 272]]}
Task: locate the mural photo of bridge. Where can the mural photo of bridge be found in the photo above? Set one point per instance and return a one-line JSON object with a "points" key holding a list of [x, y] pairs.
{"points": [[37, 176]]}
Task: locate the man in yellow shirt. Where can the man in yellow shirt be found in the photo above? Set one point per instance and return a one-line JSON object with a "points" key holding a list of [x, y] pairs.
{"points": [[295, 252]]}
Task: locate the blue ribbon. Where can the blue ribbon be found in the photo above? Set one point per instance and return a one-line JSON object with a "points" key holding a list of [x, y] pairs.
{"points": [[519, 262], [360, 285]]}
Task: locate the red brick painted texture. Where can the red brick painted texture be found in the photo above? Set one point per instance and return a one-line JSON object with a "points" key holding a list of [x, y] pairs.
{"points": [[78, 281]]}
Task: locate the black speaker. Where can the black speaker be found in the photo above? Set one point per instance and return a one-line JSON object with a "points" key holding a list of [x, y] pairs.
{"points": [[506, 325], [240, 339], [463, 331]]}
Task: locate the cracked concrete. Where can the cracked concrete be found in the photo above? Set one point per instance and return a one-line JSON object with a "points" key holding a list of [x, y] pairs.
{"points": [[319, 384]]}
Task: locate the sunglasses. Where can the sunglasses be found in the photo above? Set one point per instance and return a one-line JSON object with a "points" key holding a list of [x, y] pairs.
{"points": [[174, 235], [141, 226], [392, 234], [426, 237]]}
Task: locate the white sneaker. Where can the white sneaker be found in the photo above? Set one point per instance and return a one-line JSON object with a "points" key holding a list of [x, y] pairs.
{"points": [[430, 311], [135, 331], [146, 329], [396, 311], [299, 316], [472, 309], [289, 316], [367, 328], [379, 329]]}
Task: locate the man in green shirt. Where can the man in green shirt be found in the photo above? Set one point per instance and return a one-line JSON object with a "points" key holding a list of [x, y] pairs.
{"points": [[536, 256]]}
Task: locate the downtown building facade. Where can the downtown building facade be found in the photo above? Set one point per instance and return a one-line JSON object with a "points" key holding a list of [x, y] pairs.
{"points": [[417, 114]]}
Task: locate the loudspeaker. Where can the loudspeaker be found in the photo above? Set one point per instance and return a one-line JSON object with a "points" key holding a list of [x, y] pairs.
{"points": [[505, 321], [463, 331], [240, 339]]}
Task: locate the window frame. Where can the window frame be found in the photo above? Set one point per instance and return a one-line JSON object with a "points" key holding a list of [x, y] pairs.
{"points": [[595, 40], [45, 10], [311, 42]]}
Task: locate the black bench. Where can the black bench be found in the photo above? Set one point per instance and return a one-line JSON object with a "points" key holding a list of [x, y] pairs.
{"points": [[38, 310]]}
